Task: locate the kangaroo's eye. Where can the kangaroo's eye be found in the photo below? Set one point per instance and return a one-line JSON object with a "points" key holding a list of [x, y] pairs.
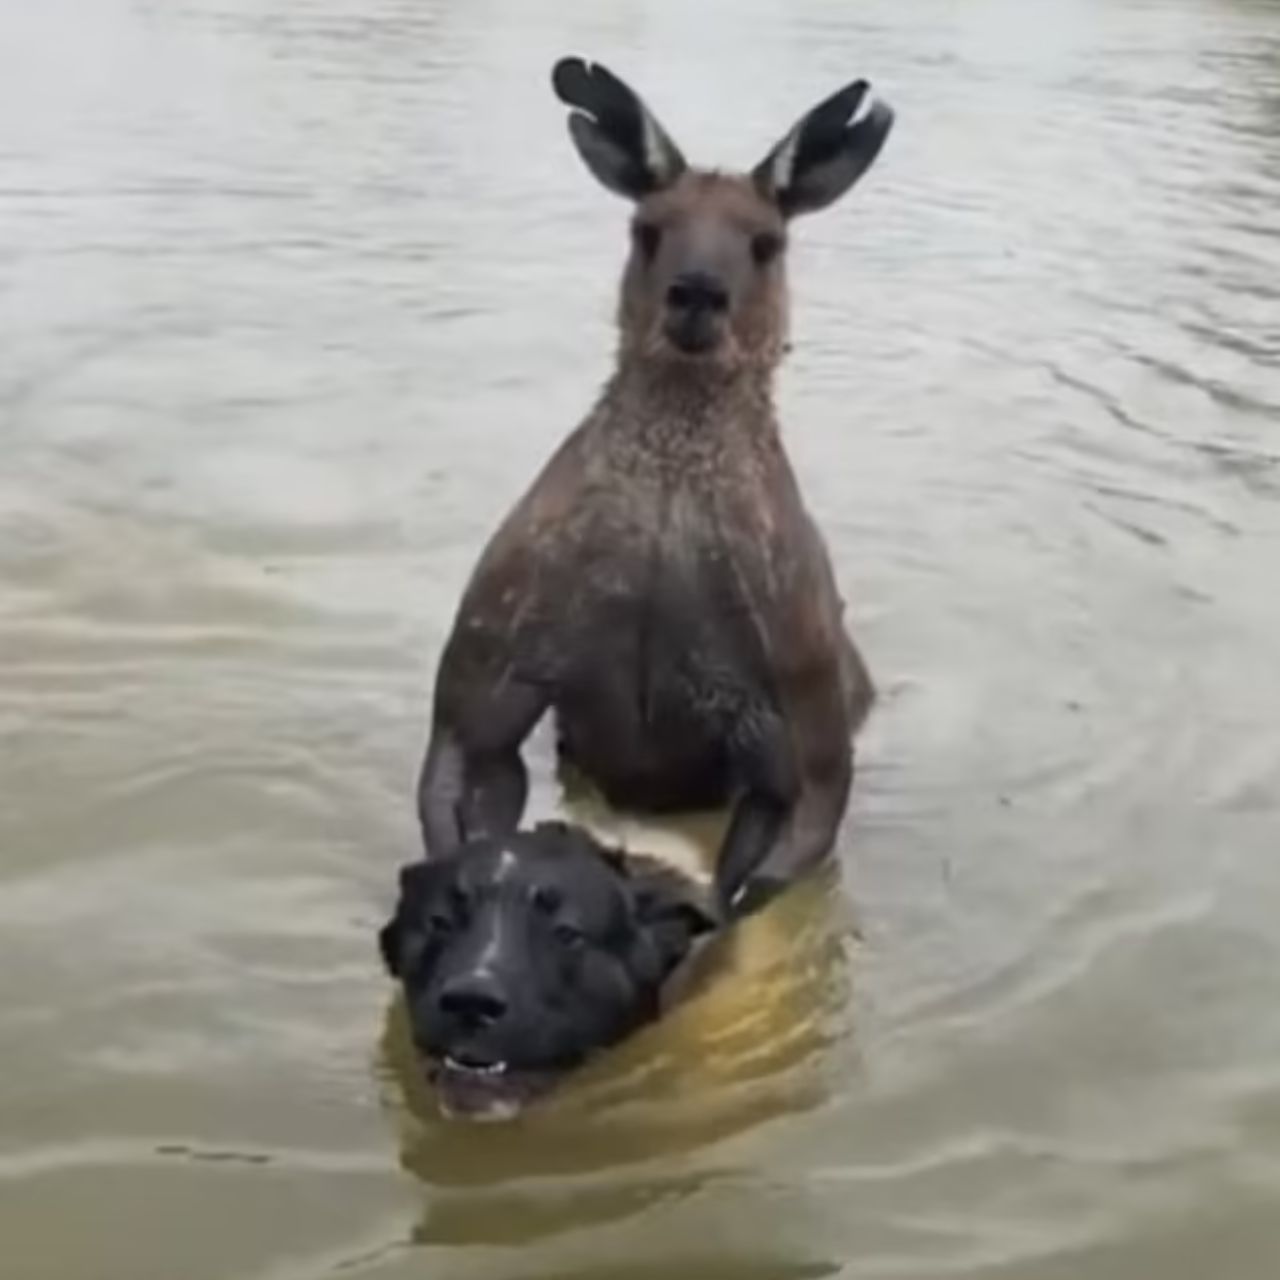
{"points": [[765, 247], [647, 238]]}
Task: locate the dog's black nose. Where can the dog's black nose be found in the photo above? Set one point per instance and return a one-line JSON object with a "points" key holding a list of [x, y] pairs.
{"points": [[473, 999], [697, 291]]}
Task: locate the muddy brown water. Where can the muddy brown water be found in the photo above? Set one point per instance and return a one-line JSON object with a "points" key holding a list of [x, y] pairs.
{"points": [[293, 300]]}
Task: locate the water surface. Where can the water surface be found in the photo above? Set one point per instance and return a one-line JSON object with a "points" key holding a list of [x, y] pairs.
{"points": [[293, 300]]}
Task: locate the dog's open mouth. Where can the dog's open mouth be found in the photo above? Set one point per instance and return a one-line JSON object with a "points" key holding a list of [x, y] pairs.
{"points": [[490, 1091]]}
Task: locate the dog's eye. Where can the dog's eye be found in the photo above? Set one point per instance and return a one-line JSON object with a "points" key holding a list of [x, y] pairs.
{"points": [[440, 923], [569, 936], [647, 237], [546, 899], [765, 247]]}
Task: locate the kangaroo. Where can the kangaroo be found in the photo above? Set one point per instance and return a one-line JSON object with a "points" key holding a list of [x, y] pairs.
{"points": [[661, 587]]}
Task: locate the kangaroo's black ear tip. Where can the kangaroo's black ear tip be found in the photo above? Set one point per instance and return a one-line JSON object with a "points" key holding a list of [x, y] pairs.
{"points": [[880, 116], [853, 94], [565, 72], [577, 81], [876, 127], [855, 112]]}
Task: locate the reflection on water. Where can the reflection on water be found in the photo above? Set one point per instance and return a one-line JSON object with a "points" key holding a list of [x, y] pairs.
{"points": [[294, 300]]}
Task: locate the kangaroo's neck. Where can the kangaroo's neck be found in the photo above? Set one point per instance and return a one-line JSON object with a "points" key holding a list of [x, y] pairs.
{"points": [[684, 411]]}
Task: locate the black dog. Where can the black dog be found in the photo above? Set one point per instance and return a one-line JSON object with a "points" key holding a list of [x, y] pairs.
{"points": [[519, 957]]}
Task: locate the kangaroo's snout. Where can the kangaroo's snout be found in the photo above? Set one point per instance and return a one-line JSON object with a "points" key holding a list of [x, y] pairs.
{"points": [[697, 306], [697, 291]]}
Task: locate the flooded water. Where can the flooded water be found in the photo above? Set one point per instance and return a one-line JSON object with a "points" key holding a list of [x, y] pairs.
{"points": [[293, 300]]}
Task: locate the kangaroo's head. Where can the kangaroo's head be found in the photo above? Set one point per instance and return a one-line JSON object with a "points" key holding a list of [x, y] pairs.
{"points": [[705, 282]]}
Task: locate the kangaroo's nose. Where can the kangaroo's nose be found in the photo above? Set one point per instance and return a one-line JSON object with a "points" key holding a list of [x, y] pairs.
{"points": [[697, 291], [474, 1000]]}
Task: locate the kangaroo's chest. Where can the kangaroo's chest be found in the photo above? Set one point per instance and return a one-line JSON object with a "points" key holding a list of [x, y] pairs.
{"points": [[655, 638], [665, 693], [662, 644]]}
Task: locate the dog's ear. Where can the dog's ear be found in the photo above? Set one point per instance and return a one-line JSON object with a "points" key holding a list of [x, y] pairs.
{"points": [[552, 829], [414, 879], [556, 835], [671, 910], [389, 945]]}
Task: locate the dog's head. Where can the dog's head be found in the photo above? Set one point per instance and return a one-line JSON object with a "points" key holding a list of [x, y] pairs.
{"points": [[520, 957]]}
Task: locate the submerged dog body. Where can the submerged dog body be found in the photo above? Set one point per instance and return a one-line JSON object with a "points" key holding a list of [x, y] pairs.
{"points": [[661, 586], [521, 957]]}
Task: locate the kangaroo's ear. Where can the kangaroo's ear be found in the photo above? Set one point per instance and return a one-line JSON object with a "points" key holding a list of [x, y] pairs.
{"points": [[826, 152], [617, 136]]}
